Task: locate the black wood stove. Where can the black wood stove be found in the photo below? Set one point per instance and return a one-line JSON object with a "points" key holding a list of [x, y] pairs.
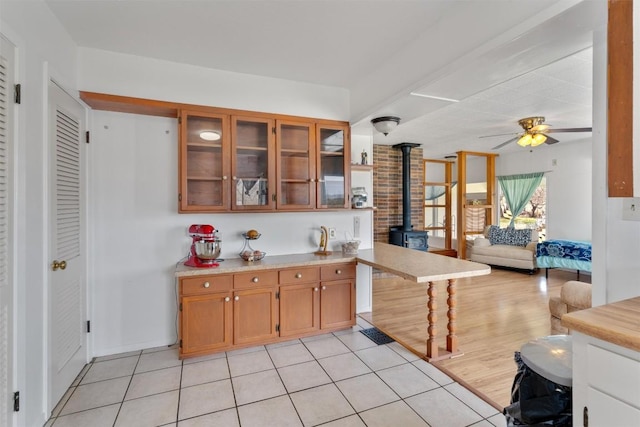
{"points": [[404, 235]]}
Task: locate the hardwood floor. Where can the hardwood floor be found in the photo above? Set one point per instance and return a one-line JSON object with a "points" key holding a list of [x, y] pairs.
{"points": [[497, 314]]}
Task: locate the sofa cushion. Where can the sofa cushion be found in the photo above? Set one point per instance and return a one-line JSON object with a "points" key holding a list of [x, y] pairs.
{"points": [[505, 251], [509, 236]]}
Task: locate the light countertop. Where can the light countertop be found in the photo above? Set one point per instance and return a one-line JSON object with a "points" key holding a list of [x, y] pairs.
{"points": [[617, 323], [410, 264]]}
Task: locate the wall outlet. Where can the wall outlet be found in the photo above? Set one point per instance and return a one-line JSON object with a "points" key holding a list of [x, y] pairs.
{"points": [[356, 226], [332, 233]]}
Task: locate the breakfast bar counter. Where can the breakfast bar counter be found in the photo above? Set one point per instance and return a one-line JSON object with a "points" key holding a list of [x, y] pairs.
{"points": [[416, 266]]}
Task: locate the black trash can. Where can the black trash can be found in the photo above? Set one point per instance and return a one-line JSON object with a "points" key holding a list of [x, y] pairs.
{"points": [[541, 390]]}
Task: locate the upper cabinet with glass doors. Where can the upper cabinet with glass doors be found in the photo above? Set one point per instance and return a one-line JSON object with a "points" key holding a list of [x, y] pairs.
{"points": [[204, 165], [332, 168], [262, 162]]}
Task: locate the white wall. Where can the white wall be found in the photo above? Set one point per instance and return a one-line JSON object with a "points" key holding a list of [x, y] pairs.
{"points": [[568, 184], [44, 51]]}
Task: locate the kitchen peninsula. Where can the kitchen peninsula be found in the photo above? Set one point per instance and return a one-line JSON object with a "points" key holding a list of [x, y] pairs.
{"points": [[290, 296]]}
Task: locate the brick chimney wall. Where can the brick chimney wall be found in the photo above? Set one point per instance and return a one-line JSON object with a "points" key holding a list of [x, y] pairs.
{"points": [[387, 190]]}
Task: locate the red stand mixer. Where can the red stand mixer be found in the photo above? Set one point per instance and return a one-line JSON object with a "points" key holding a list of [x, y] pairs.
{"points": [[205, 248]]}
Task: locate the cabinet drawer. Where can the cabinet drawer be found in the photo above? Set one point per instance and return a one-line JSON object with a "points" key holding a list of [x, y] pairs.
{"points": [[299, 275], [338, 271], [205, 284], [256, 278]]}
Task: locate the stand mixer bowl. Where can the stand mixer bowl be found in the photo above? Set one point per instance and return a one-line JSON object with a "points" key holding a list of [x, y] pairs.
{"points": [[207, 250]]}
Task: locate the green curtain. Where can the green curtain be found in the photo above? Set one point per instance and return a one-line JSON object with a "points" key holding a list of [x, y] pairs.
{"points": [[518, 190]]}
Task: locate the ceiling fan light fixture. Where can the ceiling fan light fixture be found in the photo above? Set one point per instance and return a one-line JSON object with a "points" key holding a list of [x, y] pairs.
{"points": [[525, 140], [385, 124], [538, 139]]}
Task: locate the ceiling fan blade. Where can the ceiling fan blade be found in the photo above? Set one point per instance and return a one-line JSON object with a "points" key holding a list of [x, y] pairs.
{"points": [[550, 140], [506, 143], [568, 130], [500, 134]]}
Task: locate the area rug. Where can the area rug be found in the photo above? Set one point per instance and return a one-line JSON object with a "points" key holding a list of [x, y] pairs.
{"points": [[376, 336]]}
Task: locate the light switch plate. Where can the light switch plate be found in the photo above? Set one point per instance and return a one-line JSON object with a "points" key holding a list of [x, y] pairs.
{"points": [[356, 226], [631, 209], [332, 233]]}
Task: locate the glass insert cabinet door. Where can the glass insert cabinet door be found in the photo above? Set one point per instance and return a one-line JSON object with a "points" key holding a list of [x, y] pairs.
{"points": [[295, 162], [253, 166], [332, 166], [204, 174]]}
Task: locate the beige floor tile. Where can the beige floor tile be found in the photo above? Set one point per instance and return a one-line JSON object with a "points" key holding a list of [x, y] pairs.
{"points": [[290, 355], [204, 372], [160, 348], [221, 355], [99, 417], [380, 357], [259, 386], [316, 337], [276, 412], [350, 421], [118, 356], [473, 401], [356, 341], [249, 363], [149, 411], [483, 423], [393, 414], [363, 323], [407, 380], [303, 376], [154, 382], [329, 346], [98, 394], [282, 344], [62, 402], [442, 409], [110, 369], [158, 360], [245, 350], [321, 404], [366, 392], [344, 366], [498, 420], [350, 330], [205, 398], [402, 351], [81, 375], [49, 422], [434, 373], [226, 418]]}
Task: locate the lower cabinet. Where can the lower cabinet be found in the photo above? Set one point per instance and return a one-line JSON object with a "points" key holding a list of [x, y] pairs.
{"points": [[220, 312]]}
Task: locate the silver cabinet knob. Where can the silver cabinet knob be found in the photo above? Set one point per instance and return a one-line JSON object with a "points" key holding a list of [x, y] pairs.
{"points": [[324, 288], [227, 299], [298, 275], [224, 177], [338, 271], [315, 289], [236, 298], [255, 280], [205, 285]]}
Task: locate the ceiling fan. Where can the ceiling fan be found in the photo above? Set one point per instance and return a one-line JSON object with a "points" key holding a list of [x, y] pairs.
{"points": [[535, 133]]}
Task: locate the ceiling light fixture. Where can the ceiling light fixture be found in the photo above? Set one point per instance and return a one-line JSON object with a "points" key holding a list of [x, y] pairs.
{"points": [[531, 139], [385, 124], [210, 135]]}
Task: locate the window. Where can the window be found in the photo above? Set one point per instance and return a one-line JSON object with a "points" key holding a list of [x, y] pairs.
{"points": [[533, 216]]}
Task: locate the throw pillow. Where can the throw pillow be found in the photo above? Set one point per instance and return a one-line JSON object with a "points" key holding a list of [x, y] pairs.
{"points": [[509, 236]]}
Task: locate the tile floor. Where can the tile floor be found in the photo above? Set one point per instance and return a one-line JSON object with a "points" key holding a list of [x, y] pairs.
{"points": [[340, 379]]}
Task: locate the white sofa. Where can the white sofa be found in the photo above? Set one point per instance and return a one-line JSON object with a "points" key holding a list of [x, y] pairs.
{"points": [[510, 248]]}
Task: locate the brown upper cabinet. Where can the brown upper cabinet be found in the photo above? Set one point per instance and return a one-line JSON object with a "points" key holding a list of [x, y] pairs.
{"points": [[235, 160]]}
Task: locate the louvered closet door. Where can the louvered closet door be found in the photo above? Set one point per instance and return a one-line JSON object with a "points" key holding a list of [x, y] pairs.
{"points": [[6, 280], [67, 335]]}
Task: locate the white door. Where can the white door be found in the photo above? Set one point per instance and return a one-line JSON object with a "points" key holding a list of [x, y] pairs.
{"points": [[6, 241], [67, 315]]}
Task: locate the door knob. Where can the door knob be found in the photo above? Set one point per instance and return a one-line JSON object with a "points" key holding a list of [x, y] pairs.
{"points": [[58, 265], [298, 275]]}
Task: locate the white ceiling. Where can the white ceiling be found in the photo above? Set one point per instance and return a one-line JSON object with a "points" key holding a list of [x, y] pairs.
{"points": [[503, 59]]}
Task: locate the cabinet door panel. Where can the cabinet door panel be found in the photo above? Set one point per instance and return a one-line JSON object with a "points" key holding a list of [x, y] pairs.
{"points": [[299, 309], [334, 154], [605, 410], [337, 304], [205, 323], [255, 315], [295, 162], [204, 173], [253, 163]]}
